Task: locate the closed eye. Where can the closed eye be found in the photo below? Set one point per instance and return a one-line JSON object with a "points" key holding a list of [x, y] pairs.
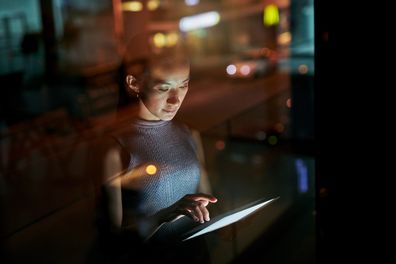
{"points": [[185, 85], [163, 88]]}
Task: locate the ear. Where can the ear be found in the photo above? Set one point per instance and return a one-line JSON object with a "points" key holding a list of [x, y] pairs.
{"points": [[132, 83]]}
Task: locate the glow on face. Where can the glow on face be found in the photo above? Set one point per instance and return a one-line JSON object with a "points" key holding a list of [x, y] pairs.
{"points": [[165, 93]]}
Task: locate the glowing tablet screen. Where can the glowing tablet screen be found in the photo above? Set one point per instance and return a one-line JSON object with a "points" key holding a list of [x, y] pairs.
{"points": [[222, 221]]}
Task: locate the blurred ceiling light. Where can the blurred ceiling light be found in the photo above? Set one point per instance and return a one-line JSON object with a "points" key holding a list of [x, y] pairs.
{"points": [[171, 39], [231, 69], [133, 6], [271, 15], [191, 2], [151, 169], [159, 40], [153, 4], [202, 20], [284, 38], [303, 69], [245, 70]]}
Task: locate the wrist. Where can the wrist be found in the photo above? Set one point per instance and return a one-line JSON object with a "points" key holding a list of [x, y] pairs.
{"points": [[162, 216]]}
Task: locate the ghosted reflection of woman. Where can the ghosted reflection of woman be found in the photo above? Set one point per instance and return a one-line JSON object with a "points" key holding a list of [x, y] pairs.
{"points": [[153, 182]]}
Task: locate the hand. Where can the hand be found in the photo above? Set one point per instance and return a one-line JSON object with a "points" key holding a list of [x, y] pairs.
{"points": [[191, 205]]}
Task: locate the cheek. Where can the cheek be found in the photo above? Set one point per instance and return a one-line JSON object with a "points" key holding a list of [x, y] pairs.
{"points": [[155, 101], [183, 95]]}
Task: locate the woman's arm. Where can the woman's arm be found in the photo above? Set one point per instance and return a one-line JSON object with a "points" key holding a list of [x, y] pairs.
{"points": [[113, 168], [204, 184]]}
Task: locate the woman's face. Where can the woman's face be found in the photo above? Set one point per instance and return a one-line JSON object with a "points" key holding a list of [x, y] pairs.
{"points": [[164, 93]]}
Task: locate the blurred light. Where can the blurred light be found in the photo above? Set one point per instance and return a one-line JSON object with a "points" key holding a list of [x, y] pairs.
{"points": [[203, 20], [159, 40], [279, 127], [133, 6], [191, 2], [272, 140], [151, 169], [220, 145], [238, 157], [199, 33], [257, 159], [271, 15], [231, 69], [171, 39], [302, 174], [323, 192], [261, 135], [303, 69], [289, 103], [284, 38], [245, 69], [153, 4], [265, 51]]}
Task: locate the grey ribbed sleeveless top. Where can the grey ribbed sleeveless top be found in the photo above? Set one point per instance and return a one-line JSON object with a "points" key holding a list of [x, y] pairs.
{"points": [[170, 148]]}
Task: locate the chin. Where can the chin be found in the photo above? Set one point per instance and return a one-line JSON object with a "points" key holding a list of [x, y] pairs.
{"points": [[168, 117]]}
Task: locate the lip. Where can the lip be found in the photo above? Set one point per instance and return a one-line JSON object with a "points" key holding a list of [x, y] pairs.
{"points": [[170, 111]]}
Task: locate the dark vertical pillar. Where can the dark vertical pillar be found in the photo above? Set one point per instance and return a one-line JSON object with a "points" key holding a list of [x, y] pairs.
{"points": [[49, 37], [302, 111], [7, 36], [11, 81], [325, 168]]}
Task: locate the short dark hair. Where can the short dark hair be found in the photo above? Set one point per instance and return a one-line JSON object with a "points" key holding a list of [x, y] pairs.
{"points": [[138, 60]]}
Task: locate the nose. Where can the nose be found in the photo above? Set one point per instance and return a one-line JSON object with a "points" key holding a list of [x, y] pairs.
{"points": [[173, 98]]}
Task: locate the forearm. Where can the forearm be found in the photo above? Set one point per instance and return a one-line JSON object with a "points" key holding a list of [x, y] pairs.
{"points": [[147, 226]]}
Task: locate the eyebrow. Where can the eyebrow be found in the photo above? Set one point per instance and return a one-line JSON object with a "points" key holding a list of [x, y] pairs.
{"points": [[165, 82]]}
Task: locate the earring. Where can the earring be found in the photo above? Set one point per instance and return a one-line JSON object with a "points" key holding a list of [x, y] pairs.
{"points": [[131, 82], [130, 79]]}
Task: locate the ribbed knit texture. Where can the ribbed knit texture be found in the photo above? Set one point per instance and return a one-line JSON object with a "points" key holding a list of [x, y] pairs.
{"points": [[169, 147]]}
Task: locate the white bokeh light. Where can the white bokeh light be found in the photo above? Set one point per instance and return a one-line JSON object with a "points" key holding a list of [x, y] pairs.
{"points": [[231, 69], [191, 2], [202, 20]]}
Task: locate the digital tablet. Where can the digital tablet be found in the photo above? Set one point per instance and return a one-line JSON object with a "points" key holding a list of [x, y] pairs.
{"points": [[228, 218]]}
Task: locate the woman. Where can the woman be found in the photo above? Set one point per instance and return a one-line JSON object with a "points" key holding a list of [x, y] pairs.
{"points": [[153, 171]]}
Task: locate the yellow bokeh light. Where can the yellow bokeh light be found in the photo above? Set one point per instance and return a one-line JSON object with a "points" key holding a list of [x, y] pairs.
{"points": [[271, 15], [171, 39], [159, 40], [151, 169], [153, 4], [133, 6], [284, 38]]}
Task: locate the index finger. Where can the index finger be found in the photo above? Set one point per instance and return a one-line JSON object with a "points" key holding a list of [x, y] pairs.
{"points": [[203, 196]]}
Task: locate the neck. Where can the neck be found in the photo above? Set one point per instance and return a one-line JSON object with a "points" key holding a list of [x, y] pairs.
{"points": [[145, 114]]}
